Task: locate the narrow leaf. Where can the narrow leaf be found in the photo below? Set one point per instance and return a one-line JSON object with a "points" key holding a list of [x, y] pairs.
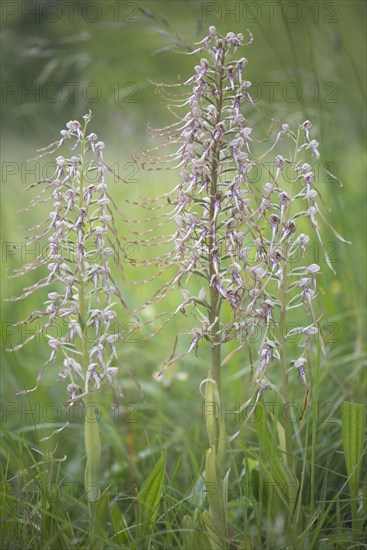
{"points": [[151, 491], [353, 426]]}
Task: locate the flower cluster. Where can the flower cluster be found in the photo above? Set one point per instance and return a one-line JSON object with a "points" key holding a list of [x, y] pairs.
{"points": [[241, 235], [81, 241]]}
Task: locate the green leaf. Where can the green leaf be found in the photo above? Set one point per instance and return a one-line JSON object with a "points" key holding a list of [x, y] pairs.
{"points": [[99, 523], [353, 425], [196, 497], [150, 493], [119, 527], [212, 487], [214, 535]]}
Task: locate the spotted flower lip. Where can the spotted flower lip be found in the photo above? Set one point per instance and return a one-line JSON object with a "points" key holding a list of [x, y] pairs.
{"points": [[313, 268], [297, 363]]}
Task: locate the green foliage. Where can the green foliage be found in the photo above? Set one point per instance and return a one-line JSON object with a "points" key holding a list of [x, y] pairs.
{"points": [[353, 427], [150, 495]]}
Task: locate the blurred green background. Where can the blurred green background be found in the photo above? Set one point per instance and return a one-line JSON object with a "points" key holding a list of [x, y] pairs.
{"points": [[60, 59]]}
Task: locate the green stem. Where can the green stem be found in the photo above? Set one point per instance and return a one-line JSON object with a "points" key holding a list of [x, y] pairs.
{"points": [[82, 297], [214, 295], [282, 332], [92, 440], [215, 456]]}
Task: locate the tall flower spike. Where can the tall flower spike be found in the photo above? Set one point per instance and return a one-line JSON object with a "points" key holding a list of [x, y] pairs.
{"points": [[238, 233], [80, 244], [222, 213]]}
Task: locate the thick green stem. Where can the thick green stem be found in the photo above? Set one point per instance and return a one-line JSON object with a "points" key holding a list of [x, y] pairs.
{"points": [[92, 441], [213, 252], [215, 456]]}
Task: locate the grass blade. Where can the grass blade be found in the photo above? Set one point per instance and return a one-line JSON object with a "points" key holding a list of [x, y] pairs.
{"points": [[353, 426]]}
